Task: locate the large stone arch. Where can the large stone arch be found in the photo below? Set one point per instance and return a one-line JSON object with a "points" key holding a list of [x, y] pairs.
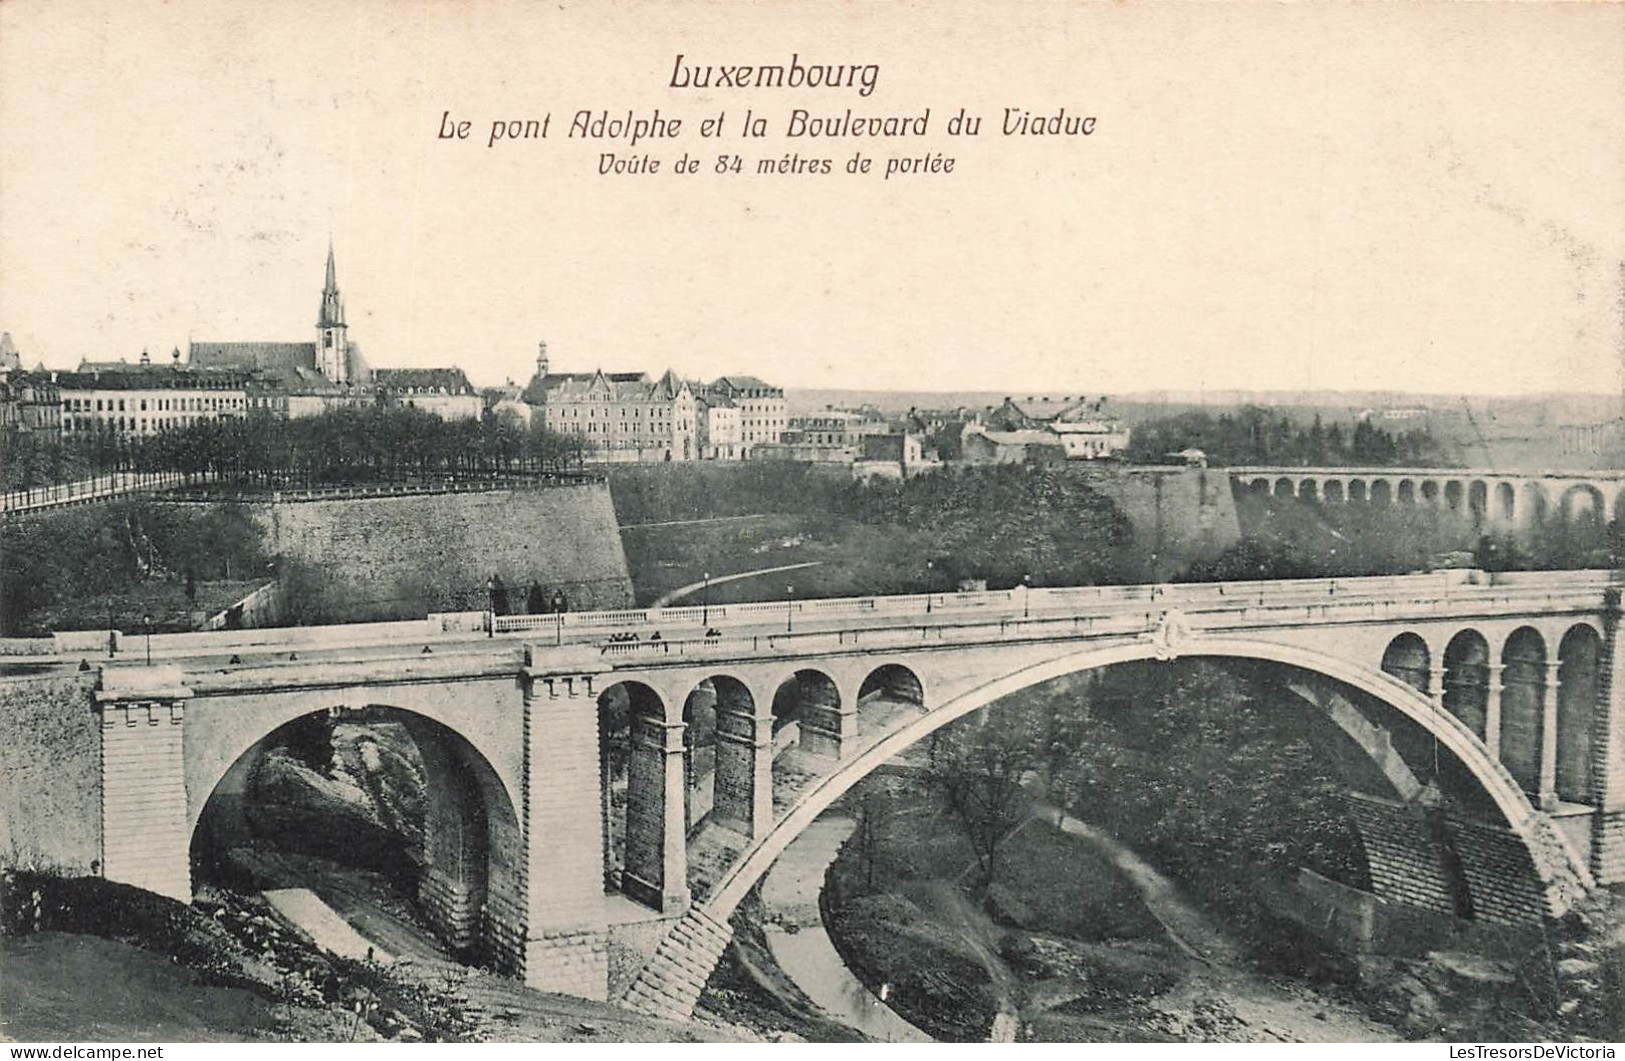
{"points": [[734, 789], [221, 729], [896, 680], [1506, 502], [1407, 659], [1523, 694], [1582, 505], [1562, 873], [1466, 693], [1579, 656], [472, 886], [804, 700], [643, 836], [1478, 501]]}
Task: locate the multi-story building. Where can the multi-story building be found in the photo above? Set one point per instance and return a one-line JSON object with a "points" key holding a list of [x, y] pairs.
{"points": [[1091, 439], [128, 401], [837, 427], [446, 392], [30, 403], [620, 416], [763, 413], [721, 434], [1077, 425]]}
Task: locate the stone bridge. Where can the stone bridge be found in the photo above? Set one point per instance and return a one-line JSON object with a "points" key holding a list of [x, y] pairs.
{"points": [[1488, 500], [604, 788]]}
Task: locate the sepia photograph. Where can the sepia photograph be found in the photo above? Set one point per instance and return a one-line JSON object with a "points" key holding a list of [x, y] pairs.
{"points": [[824, 522]]}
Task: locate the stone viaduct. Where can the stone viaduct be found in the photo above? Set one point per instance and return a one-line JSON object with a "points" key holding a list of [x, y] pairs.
{"points": [[600, 804], [1485, 500]]}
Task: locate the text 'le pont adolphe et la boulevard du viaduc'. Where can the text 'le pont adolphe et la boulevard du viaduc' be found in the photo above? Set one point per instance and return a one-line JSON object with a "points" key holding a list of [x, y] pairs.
{"points": [[812, 140]]}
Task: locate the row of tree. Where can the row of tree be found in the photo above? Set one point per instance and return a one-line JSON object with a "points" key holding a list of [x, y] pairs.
{"points": [[378, 443], [1257, 435]]}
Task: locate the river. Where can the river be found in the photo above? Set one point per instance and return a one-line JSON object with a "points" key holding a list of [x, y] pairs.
{"points": [[795, 935]]}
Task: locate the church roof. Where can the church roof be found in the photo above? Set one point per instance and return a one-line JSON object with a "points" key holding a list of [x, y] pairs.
{"points": [[274, 356]]}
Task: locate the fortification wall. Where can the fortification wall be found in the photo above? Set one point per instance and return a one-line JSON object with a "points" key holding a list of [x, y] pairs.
{"points": [[393, 557], [50, 773], [1184, 514]]}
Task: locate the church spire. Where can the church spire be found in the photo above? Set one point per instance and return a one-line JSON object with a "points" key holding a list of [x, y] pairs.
{"points": [[332, 305], [332, 345]]}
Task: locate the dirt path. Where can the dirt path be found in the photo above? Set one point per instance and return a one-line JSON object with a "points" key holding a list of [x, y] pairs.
{"points": [[1224, 1000], [694, 587], [979, 932], [1189, 928]]}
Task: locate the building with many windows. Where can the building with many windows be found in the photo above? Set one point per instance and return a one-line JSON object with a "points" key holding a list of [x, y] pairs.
{"points": [[621, 416], [135, 400], [721, 431], [763, 412], [628, 416]]}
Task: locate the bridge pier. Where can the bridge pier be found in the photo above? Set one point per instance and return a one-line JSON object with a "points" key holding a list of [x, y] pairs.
{"points": [[656, 872], [830, 730], [565, 946], [1492, 709], [744, 772], [1608, 748], [1547, 800], [146, 841]]}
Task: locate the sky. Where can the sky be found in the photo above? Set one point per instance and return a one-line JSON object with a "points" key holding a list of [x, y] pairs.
{"points": [[1411, 197]]}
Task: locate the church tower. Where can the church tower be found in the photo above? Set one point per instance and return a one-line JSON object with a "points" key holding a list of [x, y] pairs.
{"points": [[541, 359], [332, 346]]}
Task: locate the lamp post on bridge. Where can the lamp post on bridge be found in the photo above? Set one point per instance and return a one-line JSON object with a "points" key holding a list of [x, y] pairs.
{"points": [[491, 606], [930, 583], [146, 628], [1027, 596], [789, 608], [705, 599]]}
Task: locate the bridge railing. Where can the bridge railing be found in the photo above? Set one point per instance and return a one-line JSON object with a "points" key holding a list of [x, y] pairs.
{"points": [[114, 484], [1446, 589], [1089, 608]]}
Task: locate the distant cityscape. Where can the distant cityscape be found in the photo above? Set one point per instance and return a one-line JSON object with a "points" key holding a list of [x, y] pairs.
{"points": [[618, 416], [613, 416]]}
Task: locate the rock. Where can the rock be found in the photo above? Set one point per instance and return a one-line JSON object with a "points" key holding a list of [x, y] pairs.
{"points": [[1571, 967], [587, 1029]]}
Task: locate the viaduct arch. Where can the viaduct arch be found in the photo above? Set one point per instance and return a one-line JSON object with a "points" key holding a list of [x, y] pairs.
{"points": [[1405, 700]]}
